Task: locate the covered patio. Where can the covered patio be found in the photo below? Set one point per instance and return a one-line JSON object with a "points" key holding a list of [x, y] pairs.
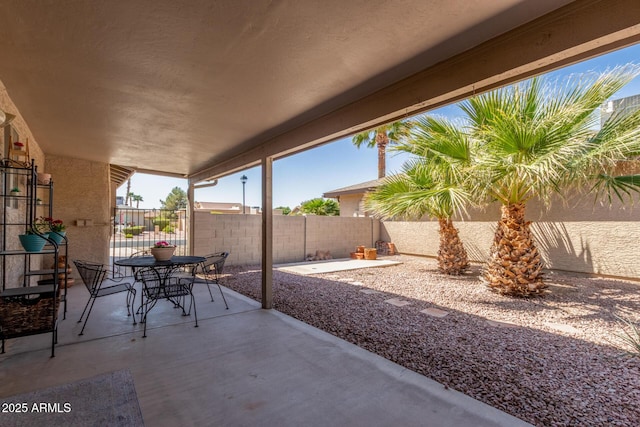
{"points": [[242, 366], [201, 89]]}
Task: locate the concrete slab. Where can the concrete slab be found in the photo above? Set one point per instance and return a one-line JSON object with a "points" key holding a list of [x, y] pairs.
{"points": [[258, 368], [563, 328], [397, 302], [370, 291], [435, 312], [500, 324], [317, 267], [242, 366]]}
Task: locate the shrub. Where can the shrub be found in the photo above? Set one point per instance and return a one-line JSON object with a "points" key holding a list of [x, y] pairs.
{"points": [[135, 230], [630, 336], [128, 236], [162, 223], [169, 229]]}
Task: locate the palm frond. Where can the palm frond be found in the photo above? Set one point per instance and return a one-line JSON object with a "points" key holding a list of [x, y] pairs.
{"points": [[622, 187]]}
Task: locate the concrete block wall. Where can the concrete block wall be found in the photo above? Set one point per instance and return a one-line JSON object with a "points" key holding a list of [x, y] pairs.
{"points": [[340, 235], [577, 236], [293, 236]]}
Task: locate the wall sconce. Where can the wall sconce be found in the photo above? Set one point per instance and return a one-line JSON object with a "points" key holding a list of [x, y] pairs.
{"points": [[5, 118]]}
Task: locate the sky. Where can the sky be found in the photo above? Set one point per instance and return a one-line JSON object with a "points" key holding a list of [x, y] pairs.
{"points": [[309, 174]]}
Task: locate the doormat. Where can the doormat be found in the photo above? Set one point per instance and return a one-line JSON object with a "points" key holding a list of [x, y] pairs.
{"points": [[105, 400]]}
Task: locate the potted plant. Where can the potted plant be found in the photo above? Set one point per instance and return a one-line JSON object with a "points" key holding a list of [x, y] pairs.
{"points": [[15, 191], [34, 239], [18, 146], [38, 201], [163, 251], [57, 230]]}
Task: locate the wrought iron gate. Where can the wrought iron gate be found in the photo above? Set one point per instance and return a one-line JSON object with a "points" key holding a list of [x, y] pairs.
{"points": [[136, 230]]}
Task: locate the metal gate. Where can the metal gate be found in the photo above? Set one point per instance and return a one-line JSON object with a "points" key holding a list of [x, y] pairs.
{"points": [[136, 230]]}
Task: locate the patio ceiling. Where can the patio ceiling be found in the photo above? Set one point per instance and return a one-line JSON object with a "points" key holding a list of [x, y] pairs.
{"points": [[201, 88]]}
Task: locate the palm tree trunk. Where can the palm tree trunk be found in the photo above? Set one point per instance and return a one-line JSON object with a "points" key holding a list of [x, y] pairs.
{"points": [[382, 141], [452, 256], [514, 266]]}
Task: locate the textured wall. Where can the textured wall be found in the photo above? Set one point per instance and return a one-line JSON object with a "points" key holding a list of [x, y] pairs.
{"points": [[82, 191], [350, 204], [293, 236], [576, 236], [14, 264]]}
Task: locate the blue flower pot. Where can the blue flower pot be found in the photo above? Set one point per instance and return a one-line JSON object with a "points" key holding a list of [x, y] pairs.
{"points": [[32, 242], [57, 236]]}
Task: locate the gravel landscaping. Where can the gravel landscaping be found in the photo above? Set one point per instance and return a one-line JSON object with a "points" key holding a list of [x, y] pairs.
{"points": [[552, 361]]}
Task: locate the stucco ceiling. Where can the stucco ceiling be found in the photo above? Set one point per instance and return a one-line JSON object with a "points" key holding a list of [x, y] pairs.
{"points": [[176, 86]]}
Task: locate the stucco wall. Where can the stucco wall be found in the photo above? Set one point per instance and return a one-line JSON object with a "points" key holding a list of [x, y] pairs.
{"points": [[14, 264], [82, 191], [579, 236], [293, 236], [350, 204]]}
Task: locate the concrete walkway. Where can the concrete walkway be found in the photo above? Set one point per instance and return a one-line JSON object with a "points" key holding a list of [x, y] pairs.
{"points": [[241, 367], [329, 266]]}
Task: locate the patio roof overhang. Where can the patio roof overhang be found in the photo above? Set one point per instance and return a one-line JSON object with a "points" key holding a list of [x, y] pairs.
{"points": [[201, 89]]}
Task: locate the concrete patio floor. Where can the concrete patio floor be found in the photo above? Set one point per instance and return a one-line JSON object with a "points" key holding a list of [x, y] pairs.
{"points": [[241, 367]]}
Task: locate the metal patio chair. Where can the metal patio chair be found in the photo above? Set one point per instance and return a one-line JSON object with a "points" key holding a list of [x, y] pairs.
{"points": [[99, 283], [211, 269], [159, 284]]}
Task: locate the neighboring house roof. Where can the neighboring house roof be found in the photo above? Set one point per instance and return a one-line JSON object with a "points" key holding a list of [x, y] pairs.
{"points": [[363, 187]]}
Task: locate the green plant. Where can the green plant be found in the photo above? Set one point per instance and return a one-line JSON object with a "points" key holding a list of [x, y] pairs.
{"points": [[630, 336], [169, 229], [128, 236], [41, 224], [433, 184], [381, 137], [15, 190], [161, 222], [134, 230]]}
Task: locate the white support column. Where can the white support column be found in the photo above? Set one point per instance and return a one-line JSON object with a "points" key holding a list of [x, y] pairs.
{"points": [[267, 233]]}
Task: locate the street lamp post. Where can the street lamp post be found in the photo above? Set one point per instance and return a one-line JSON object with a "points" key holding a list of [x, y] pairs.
{"points": [[243, 179]]}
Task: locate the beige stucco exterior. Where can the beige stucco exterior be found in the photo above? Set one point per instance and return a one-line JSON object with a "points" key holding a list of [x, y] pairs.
{"points": [[578, 236], [82, 191], [14, 264], [352, 205]]}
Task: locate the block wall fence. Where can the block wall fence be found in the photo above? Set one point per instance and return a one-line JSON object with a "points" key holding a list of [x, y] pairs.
{"points": [[579, 236], [573, 236], [293, 236]]}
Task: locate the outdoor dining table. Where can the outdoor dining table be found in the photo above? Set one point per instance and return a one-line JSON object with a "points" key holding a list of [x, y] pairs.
{"points": [[164, 268]]}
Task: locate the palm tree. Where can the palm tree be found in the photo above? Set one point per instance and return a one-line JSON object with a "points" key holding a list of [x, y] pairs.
{"points": [[539, 138], [129, 193], [320, 206], [382, 136], [431, 184], [137, 198]]}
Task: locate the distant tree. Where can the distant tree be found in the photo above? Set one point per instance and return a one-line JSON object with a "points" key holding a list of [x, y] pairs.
{"points": [[320, 206], [177, 199], [286, 210], [381, 137], [136, 198], [127, 199]]}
